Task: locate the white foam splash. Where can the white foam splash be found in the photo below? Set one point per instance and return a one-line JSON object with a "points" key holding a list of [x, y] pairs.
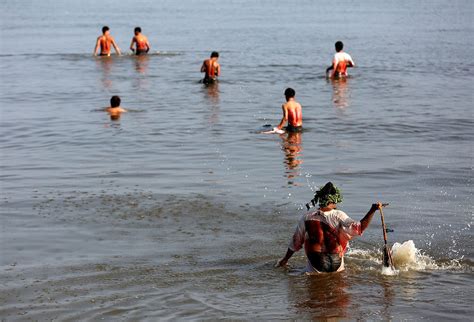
{"points": [[389, 271], [404, 254], [407, 257]]}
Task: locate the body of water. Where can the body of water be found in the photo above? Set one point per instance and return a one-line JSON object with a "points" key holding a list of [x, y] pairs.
{"points": [[180, 209]]}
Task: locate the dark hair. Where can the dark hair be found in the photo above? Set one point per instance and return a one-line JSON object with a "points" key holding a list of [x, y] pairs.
{"points": [[104, 29], [339, 45], [290, 92], [215, 54], [115, 101], [138, 29]]}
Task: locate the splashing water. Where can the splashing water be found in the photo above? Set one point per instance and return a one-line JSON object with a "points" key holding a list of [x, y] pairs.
{"points": [[389, 271], [406, 256]]}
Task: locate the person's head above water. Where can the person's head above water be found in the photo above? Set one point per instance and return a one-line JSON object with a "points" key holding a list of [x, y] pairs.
{"points": [[115, 101], [289, 93], [214, 54], [105, 29], [339, 45], [327, 195], [137, 30]]}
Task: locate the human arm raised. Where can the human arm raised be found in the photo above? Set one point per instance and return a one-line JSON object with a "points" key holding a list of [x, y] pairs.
{"points": [[364, 223]]}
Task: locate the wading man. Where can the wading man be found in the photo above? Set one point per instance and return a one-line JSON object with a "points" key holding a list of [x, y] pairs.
{"points": [[105, 42], [292, 113], [340, 62], [211, 68], [325, 233], [139, 44]]}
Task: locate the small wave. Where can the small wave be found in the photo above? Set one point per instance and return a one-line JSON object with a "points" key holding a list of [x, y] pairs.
{"points": [[80, 56]]}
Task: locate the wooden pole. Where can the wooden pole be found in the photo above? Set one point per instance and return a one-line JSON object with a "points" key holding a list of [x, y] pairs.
{"points": [[386, 250]]}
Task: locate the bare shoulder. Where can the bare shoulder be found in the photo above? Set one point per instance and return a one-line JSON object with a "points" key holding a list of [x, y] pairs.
{"points": [[293, 105]]}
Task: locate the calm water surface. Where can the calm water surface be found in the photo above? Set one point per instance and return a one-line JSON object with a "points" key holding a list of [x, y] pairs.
{"points": [[180, 209]]}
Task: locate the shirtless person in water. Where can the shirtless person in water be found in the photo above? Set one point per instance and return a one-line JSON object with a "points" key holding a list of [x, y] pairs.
{"points": [[340, 62], [104, 42], [140, 42], [292, 113], [115, 110], [325, 233], [212, 68]]}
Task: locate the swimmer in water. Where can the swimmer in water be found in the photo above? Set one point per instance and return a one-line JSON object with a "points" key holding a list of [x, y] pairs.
{"points": [[340, 62], [140, 42], [292, 113], [212, 68], [325, 233], [115, 110], [104, 42]]}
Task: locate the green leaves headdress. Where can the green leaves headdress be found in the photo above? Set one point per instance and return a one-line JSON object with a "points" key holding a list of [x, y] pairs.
{"points": [[325, 195]]}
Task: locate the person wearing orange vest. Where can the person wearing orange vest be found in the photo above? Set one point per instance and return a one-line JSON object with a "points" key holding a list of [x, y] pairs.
{"points": [[340, 62], [212, 68], [140, 42], [105, 42]]}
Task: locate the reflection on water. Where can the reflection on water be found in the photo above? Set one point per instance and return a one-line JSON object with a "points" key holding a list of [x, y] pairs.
{"points": [[105, 65], [388, 295], [322, 295], [141, 64], [340, 92], [211, 92], [292, 147]]}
